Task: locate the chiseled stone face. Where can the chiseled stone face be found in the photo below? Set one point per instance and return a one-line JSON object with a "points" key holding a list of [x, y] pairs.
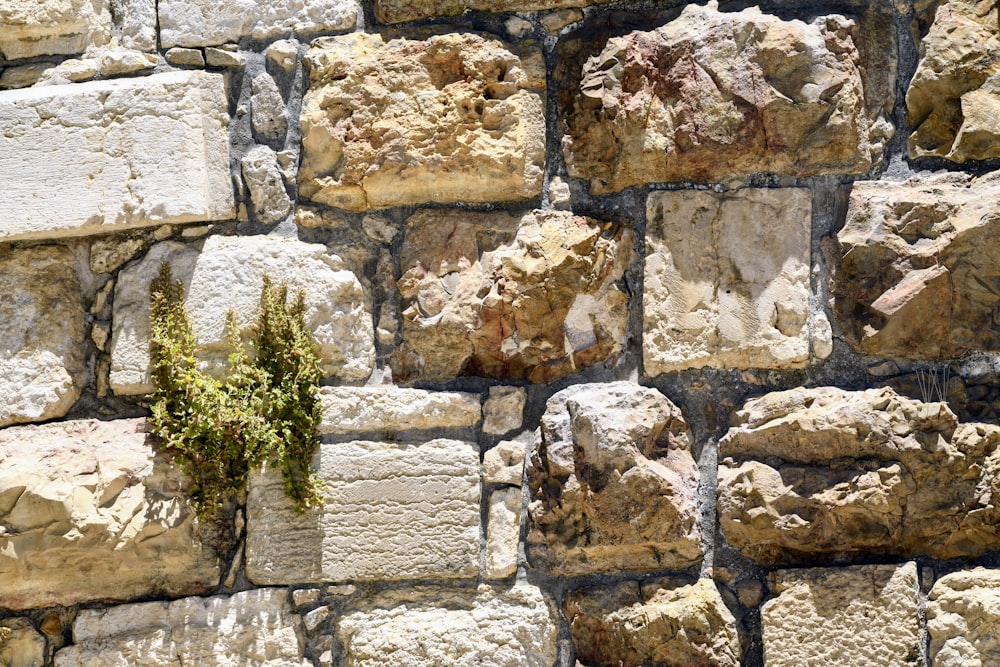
{"points": [[712, 95], [453, 118], [388, 409], [727, 279], [398, 11], [851, 616], [836, 473], [30, 28], [963, 614], [391, 511], [919, 273]]}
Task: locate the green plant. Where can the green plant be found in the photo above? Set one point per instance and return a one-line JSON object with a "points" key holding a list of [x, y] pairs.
{"points": [[267, 409]]}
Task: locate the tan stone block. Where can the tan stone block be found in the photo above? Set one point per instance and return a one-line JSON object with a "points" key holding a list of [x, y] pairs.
{"points": [[388, 409], [963, 614], [503, 532], [503, 410], [30, 28], [504, 464]]}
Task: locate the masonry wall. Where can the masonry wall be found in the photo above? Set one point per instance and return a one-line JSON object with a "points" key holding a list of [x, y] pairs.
{"points": [[651, 333]]}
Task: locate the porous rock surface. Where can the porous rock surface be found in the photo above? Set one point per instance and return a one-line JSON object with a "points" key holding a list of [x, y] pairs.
{"points": [[398, 11], [826, 471], [391, 409], [613, 484], [453, 118], [30, 28], [20, 644], [963, 614], [496, 295]]}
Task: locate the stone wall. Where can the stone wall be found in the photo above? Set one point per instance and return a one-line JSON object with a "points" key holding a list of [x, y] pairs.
{"points": [[651, 333]]}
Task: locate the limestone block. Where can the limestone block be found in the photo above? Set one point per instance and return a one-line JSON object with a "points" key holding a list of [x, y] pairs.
{"points": [[491, 294], [267, 109], [209, 22], [430, 627], [101, 156], [726, 279], [42, 332], [30, 28], [714, 95], [504, 464], [391, 511], [20, 644], [262, 176], [848, 473], [953, 101], [137, 19], [503, 410], [852, 617], [89, 511], [398, 11], [503, 532], [621, 626], [454, 118], [919, 267], [613, 484], [255, 628], [963, 614], [227, 274], [388, 409]]}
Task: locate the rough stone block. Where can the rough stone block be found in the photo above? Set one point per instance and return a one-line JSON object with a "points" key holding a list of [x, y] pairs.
{"points": [[391, 511], [20, 644], [503, 410], [504, 464], [389, 409], [503, 532], [398, 11], [963, 614], [100, 156], [30, 28]]}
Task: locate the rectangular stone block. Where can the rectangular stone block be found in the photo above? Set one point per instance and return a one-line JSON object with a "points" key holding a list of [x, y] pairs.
{"points": [[391, 511], [108, 155], [30, 28], [391, 409]]}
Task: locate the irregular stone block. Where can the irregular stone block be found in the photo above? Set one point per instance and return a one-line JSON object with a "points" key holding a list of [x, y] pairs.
{"points": [[504, 464], [503, 532], [919, 273], [262, 176], [137, 19], [613, 483], [715, 95], [102, 156], [398, 11], [30, 28], [209, 23], [89, 511], [391, 511], [831, 472], [503, 410], [491, 294], [389, 409], [254, 628], [20, 644], [227, 274], [621, 626], [963, 614], [429, 627], [42, 331], [454, 118], [726, 279], [851, 616], [267, 109]]}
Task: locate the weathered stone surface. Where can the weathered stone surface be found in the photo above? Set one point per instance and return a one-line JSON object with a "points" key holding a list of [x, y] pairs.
{"points": [[953, 101], [491, 294], [919, 273], [504, 464], [391, 511], [829, 472], [254, 628], [117, 61], [91, 157], [137, 19], [503, 410], [31, 28], [89, 511], [283, 54], [20, 644], [852, 616], [228, 274], [42, 329], [454, 118], [208, 22], [271, 202], [726, 279], [621, 626], [429, 627], [963, 614], [503, 532], [613, 483], [183, 57], [388, 409], [398, 11], [267, 109], [713, 95]]}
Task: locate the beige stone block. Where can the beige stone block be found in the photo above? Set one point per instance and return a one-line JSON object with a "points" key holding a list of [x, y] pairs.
{"points": [[398, 11], [30, 28], [20, 644], [388, 409], [503, 410], [963, 614], [503, 532], [504, 464]]}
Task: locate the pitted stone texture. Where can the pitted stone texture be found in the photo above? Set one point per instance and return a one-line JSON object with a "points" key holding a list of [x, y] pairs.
{"points": [[504, 464], [42, 332], [850, 617], [398, 11], [830, 472], [454, 118], [391, 511], [494, 295], [137, 19], [430, 627], [255, 628], [613, 483], [227, 274], [503, 532], [953, 101], [91, 512], [503, 410], [963, 614], [714, 95], [390, 409], [30, 28], [919, 273], [20, 644], [109, 155], [621, 626], [209, 22], [726, 279], [262, 176]]}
